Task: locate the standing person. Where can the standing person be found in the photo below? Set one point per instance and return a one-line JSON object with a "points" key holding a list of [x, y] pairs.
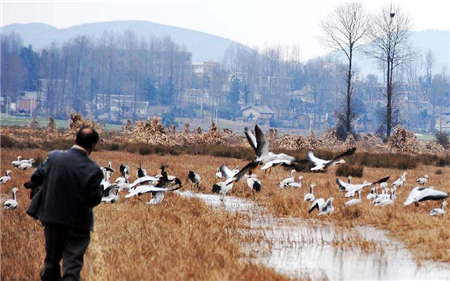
{"points": [[70, 189]]}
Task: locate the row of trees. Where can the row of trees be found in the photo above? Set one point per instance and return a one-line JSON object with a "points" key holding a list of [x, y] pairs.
{"points": [[72, 75]]}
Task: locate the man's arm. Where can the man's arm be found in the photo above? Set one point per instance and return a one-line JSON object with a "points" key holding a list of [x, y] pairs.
{"points": [[95, 191], [37, 178]]}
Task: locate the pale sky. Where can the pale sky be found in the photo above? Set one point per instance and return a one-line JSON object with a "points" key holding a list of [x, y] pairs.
{"points": [[253, 23]]}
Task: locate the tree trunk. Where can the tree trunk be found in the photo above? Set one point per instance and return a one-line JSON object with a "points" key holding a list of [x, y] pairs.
{"points": [[349, 95], [389, 100]]}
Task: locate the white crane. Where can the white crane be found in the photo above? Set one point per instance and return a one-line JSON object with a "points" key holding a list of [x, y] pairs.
{"points": [[372, 195], [353, 188], [423, 180], [321, 165], [439, 211], [323, 207], [286, 181], [6, 178], [309, 197], [261, 147], [12, 203], [419, 194], [26, 165], [401, 181], [354, 201]]}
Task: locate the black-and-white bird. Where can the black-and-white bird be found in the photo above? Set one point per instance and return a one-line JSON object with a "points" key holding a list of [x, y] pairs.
{"points": [[296, 184], [401, 181], [225, 172], [419, 194], [123, 181], [124, 170], [223, 187], [111, 194], [422, 181], [141, 172], [106, 176], [309, 197], [382, 196], [354, 201], [353, 188], [6, 178], [321, 165], [109, 167], [245, 173], [194, 178], [12, 203], [164, 184], [253, 183], [323, 207], [439, 211], [261, 147], [144, 180], [383, 201]]}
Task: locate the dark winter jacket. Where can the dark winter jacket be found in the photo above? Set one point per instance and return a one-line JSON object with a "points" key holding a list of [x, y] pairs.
{"points": [[70, 189]]}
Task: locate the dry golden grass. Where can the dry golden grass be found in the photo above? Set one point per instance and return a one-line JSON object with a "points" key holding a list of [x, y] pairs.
{"points": [[180, 239], [183, 239]]}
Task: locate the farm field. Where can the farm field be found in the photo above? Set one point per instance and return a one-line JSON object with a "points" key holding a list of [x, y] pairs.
{"points": [[183, 238]]}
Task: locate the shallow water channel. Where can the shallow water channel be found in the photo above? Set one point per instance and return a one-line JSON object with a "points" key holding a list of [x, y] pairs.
{"points": [[310, 249]]}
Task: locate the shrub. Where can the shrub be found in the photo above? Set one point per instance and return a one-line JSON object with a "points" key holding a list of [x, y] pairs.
{"points": [[38, 160], [6, 142], [145, 150], [442, 138], [438, 172], [346, 170]]}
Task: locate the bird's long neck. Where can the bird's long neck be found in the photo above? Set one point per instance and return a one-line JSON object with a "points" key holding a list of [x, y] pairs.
{"points": [[311, 189], [359, 195], [14, 195]]}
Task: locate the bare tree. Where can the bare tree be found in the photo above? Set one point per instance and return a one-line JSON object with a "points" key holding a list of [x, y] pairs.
{"points": [[389, 33], [344, 30]]}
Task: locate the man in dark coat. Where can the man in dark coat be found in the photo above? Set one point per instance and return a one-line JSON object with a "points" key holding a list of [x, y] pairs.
{"points": [[70, 189]]}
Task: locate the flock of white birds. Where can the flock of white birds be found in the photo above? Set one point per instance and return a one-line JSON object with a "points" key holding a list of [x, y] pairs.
{"points": [[159, 184]]}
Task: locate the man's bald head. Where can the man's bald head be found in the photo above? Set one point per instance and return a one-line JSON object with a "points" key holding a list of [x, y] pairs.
{"points": [[87, 138]]}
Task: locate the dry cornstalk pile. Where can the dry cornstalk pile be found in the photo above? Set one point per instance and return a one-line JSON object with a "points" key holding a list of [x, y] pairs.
{"points": [[151, 132], [329, 138], [51, 127], [291, 142], [76, 122], [403, 141], [35, 124]]}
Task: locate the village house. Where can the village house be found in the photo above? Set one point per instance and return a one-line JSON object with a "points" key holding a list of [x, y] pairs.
{"points": [[257, 112]]}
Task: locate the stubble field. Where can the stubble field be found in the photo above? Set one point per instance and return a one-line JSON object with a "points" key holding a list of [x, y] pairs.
{"points": [[184, 239]]}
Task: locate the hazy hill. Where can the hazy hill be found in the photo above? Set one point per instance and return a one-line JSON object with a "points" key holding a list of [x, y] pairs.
{"points": [[204, 47]]}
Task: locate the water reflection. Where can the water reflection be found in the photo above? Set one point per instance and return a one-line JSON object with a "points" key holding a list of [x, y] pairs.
{"points": [[303, 249]]}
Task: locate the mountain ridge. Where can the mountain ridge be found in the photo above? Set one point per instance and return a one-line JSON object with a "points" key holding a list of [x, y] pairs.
{"points": [[205, 46]]}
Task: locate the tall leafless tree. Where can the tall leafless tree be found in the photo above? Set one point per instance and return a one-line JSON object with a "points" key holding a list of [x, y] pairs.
{"points": [[344, 30], [389, 33]]}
